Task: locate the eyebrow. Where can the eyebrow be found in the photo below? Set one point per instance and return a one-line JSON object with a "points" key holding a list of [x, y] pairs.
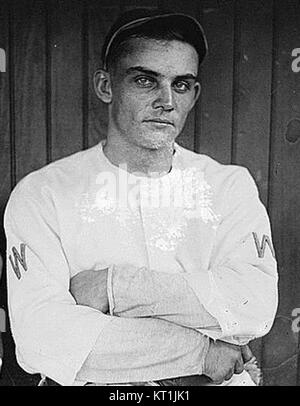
{"points": [[146, 71]]}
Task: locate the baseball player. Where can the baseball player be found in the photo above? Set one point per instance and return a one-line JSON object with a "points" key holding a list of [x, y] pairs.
{"points": [[138, 261]]}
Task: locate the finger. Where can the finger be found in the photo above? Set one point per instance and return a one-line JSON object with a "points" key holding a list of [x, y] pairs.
{"points": [[218, 381], [217, 378], [246, 353], [229, 375], [239, 366]]}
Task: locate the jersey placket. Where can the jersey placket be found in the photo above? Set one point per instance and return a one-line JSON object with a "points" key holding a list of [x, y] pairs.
{"points": [[156, 217]]}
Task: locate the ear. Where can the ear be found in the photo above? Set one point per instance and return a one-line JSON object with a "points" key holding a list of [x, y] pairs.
{"points": [[102, 85], [197, 89]]}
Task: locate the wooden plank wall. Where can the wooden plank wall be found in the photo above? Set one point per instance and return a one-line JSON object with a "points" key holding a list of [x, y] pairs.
{"points": [[248, 114]]}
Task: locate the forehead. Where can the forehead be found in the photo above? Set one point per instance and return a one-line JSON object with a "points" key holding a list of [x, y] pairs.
{"points": [[167, 58]]}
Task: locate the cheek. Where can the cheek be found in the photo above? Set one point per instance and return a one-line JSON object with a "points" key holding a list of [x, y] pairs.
{"points": [[120, 106], [184, 106], [128, 112], [135, 107]]}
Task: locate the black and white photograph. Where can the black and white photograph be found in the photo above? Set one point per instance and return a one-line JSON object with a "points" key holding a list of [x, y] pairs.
{"points": [[149, 195]]}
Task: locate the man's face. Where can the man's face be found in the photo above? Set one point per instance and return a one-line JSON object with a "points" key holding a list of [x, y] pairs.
{"points": [[153, 89]]}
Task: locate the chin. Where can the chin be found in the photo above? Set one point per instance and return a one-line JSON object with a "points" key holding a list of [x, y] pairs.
{"points": [[158, 144], [158, 141]]}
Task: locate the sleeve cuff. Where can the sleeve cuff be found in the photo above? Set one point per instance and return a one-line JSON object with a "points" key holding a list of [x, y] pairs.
{"points": [[204, 286]]}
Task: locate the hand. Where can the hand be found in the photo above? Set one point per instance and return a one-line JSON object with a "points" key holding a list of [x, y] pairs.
{"points": [[89, 288], [222, 361], [250, 365]]}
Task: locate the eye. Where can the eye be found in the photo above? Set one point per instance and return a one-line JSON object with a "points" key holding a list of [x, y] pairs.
{"points": [[143, 81], [182, 86]]}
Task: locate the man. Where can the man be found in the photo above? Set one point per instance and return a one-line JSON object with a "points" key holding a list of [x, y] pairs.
{"points": [[167, 253]]}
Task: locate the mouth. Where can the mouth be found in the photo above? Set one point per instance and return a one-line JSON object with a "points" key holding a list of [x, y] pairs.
{"points": [[160, 121]]}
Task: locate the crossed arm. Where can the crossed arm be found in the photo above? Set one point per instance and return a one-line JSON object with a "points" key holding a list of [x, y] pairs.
{"points": [[64, 340], [235, 300], [148, 296], [131, 292]]}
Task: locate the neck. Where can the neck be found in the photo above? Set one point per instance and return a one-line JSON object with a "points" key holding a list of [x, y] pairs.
{"points": [[138, 159]]}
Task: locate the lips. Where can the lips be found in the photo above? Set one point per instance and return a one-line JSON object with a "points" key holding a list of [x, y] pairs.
{"points": [[159, 121]]}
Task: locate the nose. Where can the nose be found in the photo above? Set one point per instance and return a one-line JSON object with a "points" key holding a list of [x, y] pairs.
{"points": [[164, 99]]}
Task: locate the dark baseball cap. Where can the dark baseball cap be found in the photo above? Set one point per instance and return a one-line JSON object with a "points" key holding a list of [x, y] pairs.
{"points": [[135, 20]]}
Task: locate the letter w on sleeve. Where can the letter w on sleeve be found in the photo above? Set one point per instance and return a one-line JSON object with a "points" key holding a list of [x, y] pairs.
{"points": [[18, 258], [241, 282], [53, 335]]}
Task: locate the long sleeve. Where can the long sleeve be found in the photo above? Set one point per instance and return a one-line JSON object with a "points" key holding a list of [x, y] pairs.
{"points": [[239, 288], [58, 338], [140, 292], [53, 335], [139, 350], [235, 299]]}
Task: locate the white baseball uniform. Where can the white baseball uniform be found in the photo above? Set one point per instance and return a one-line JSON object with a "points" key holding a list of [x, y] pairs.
{"points": [[200, 230]]}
